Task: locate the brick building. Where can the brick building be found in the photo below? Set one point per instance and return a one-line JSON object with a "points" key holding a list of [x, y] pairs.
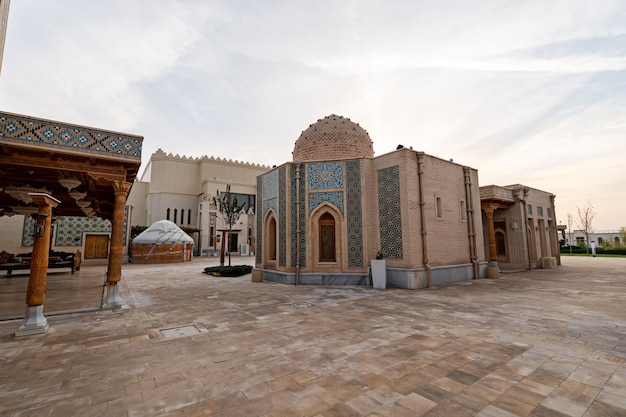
{"points": [[323, 217], [520, 227]]}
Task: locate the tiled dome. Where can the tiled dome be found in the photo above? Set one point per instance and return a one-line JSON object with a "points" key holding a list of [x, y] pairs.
{"points": [[333, 137]]}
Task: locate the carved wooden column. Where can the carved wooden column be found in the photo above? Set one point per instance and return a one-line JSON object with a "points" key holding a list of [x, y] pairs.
{"points": [[34, 320], [114, 272], [492, 268]]}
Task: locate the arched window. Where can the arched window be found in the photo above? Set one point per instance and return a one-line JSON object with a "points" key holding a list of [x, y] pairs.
{"points": [[168, 214], [182, 216], [600, 241], [189, 216], [327, 238], [271, 243], [617, 241], [175, 215]]}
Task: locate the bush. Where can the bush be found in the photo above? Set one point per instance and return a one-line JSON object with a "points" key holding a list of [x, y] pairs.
{"points": [[228, 271]]}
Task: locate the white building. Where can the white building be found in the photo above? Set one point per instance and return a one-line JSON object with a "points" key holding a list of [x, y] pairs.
{"points": [[611, 238], [180, 189]]}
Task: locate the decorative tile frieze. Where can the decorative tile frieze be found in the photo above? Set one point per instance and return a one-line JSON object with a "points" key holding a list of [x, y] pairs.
{"points": [[52, 134]]}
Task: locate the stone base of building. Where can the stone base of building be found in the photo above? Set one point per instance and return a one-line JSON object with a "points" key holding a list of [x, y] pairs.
{"points": [[396, 277], [439, 276]]}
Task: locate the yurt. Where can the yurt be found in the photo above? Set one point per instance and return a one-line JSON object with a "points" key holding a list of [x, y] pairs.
{"points": [[161, 243]]}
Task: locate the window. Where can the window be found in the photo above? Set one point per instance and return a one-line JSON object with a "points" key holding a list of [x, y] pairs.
{"points": [[463, 208], [189, 216], [168, 214], [617, 241], [530, 209], [438, 208], [182, 216], [500, 243], [327, 238], [600, 241], [539, 211], [175, 215], [549, 211]]}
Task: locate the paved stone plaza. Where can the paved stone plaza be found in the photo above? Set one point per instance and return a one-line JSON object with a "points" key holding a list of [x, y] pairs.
{"points": [[535, 343]]}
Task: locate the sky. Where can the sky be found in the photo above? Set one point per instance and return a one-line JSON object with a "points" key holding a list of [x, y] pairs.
{"points": [[527, 92]]}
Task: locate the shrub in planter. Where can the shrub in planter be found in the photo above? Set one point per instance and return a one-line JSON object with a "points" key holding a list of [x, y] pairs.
{"points": [[228, 271]]}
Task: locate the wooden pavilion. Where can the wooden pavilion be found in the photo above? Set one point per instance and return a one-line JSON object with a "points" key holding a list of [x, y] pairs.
{"points": [[50, 168]]}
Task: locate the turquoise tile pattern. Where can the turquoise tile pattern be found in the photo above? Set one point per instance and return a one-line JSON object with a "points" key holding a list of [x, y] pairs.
{"points": [[52, 134], [325, 175]]}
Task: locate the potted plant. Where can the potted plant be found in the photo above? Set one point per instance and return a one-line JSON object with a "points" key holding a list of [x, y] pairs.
{"points": [[379, 271]]}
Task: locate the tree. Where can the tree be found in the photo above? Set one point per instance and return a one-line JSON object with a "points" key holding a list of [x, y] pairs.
{"points": [[570, 222], [229, 210], [586, 215]]}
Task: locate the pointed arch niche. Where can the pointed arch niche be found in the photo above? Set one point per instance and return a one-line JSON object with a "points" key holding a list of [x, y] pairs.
{"points": [[270, 238], [327, 235]]}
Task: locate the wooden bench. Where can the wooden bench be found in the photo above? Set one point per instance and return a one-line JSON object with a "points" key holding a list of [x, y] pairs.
{"points": [[12, 263]]}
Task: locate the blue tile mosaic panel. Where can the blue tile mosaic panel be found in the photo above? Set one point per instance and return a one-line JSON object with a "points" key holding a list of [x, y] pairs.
{"points": [[272, 203], [260, 214], [354, 217], [334, 197], [325, 175], [270, 184], [24, 130], [389, 215], [295, 217], [282, 220]]}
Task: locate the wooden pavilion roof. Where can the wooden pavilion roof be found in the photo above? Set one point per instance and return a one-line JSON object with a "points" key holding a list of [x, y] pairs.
{"points": [[74, 164]]}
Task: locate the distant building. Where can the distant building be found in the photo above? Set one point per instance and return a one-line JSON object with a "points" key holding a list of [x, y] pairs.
{"points": [[520, 226], [610, 238]]}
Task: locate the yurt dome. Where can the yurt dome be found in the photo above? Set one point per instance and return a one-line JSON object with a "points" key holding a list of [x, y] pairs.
{"points": [[162, 242]]}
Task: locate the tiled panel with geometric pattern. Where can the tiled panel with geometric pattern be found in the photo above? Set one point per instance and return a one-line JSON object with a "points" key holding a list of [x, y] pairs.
{"points": [[334, 197], [354, 216], [272, 203], [23, 130], [270, 184], [282, 220], [389, 214], [325, 175]]}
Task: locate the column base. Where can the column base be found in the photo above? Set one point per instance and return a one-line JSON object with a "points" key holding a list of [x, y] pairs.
{"points": [[493, 271], [113, 300], [34, 322]]}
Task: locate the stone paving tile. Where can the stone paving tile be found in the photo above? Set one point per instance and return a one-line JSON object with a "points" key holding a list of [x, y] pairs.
{"points": [[544, 343]]}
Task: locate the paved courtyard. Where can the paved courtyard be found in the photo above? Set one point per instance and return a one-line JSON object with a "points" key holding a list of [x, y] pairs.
{"points": [[544, 343]]}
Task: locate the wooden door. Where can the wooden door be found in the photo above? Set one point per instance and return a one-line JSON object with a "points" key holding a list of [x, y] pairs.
{"points": [[96, 246]]}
